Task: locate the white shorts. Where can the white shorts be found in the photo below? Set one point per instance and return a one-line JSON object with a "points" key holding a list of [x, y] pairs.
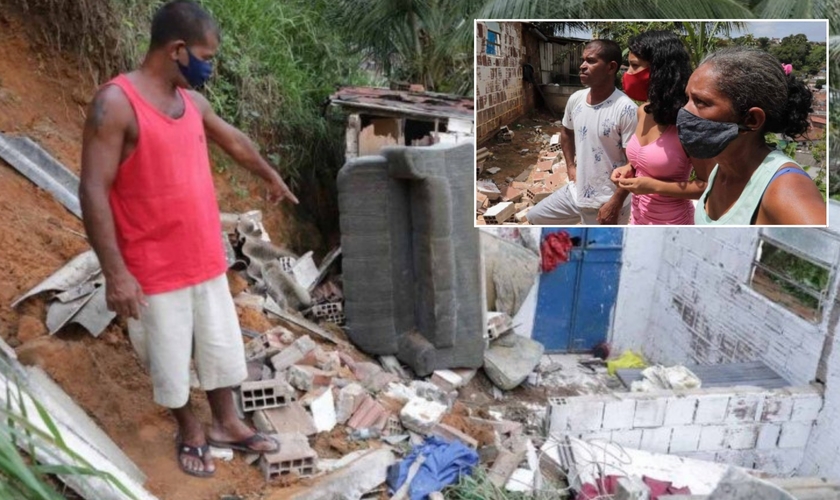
{"points": [[197, 322], [561, 209]]}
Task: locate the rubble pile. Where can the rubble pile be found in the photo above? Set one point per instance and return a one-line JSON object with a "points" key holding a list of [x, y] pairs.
{"points": [[510, 202]]}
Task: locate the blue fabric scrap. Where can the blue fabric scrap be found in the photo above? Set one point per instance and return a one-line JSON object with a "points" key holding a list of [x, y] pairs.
{"points": [[445, 463]]}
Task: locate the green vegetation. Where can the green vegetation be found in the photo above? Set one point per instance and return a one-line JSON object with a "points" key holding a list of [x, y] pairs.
{"points": [[478, 487], [800, 279]]}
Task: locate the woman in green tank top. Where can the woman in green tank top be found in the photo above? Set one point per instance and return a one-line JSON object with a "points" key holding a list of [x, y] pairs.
{"points": [[735, 97]]}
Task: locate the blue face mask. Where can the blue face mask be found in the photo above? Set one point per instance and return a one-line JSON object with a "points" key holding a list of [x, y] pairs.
{"points": [[197, 72]]}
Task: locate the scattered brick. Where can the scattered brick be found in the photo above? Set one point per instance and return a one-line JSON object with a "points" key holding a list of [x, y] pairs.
{"points": [[294, 457]]}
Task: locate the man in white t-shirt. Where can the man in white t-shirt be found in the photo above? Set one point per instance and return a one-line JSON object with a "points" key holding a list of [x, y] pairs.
{"points": [[597, 126]]}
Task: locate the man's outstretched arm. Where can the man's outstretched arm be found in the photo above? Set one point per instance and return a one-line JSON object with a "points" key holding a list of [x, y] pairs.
{"points": [[104, 134], [236, 144]]}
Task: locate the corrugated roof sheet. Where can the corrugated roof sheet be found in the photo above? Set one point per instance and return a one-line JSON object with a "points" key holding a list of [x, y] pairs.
{"points": [[428, 105]]}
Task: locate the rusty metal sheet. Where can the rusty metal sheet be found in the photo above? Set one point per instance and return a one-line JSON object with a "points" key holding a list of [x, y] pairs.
{"points": [[426, 104]]}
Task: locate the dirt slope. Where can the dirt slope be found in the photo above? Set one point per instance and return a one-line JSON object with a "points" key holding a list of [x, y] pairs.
{"points": [[43, 95]]}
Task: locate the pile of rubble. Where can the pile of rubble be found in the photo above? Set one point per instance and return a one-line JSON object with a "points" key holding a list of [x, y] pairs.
{"points": [[509, 203]]}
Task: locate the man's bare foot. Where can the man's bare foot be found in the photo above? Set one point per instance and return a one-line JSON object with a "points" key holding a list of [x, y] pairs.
{"points": [[236, 435], [194, 455]]}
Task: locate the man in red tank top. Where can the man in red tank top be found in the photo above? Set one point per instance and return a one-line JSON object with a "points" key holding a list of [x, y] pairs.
{"points": [[151, 215]]}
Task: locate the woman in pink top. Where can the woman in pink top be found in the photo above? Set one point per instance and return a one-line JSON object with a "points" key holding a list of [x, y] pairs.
{"points": [[659, 170]]}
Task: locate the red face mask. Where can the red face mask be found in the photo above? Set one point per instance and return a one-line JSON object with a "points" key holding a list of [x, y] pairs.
{"points": [[636, 85]]}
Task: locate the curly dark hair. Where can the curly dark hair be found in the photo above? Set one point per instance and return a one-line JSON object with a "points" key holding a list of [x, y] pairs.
{"points": [[670, 68], [753, 78]]}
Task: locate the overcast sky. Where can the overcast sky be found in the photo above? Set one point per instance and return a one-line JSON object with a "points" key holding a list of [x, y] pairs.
{"points": [[814, 30]]}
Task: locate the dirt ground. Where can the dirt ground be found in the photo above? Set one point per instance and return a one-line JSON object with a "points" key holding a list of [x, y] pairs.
{"points": [[508, 155], [43, 94]]}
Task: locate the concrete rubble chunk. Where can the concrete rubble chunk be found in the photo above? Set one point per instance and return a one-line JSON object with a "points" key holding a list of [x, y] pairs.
{"points": [[306, 378], [450, 433], [432, 392], [738, 485], [510, 360], [290, 419], [305, 271], [632, 488], [264, 346], [450, 380], [421, 415], [349, 399], [294, 353], [295, 456], [351, 481], [505, 464], [323, 412]]}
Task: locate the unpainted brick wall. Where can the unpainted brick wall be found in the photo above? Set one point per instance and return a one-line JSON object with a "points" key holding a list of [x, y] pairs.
{"points": [[750, 427], [696, 305], [501, 95]]}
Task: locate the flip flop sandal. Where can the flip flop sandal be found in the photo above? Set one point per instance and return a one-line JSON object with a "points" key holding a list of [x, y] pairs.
{"points": [[194, 451], [245, 444]]}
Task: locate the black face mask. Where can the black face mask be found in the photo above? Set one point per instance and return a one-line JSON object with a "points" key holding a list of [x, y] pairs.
{"points": [[704, 138]]}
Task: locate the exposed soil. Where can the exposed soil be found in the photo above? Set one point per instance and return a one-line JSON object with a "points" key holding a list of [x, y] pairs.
{"points": [[507, 155], [43, 94]]}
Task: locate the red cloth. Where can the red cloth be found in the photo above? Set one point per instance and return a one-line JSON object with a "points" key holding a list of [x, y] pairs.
{"points": [[164, 204], [609, 485], [555, 250]]}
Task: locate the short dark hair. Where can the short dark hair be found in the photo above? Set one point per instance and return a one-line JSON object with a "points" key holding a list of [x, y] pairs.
{"points": [[754, 78], [182, 20], [670, 68], [608, 50]]}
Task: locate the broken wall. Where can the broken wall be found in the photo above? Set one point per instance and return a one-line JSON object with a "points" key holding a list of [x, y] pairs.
{"points": [[822, 456], [765, 429], [501, 95], [684, 297]]}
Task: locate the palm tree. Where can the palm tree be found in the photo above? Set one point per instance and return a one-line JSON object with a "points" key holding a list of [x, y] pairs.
{"points": [[420, 41]]}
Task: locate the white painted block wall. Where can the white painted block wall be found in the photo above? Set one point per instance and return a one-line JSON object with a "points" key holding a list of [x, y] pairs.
{"points": [[752, 427], [684, 297]]}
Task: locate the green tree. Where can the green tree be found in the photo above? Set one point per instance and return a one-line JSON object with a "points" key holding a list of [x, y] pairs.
{"points": [[793, 50], [763, 43], [816, 58], [420, 41]]}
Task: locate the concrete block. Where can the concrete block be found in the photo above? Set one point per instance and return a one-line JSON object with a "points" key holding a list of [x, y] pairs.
{"points": [[294, 457], [631, 488], [307, 378], [292, 419], [777, 407], [499, 213], [795, 434], [768, 436], [656, 440], [650, 412], [323, 412], [744, 408], [421, 415], [587, 413], [712, 438], [294, 353], [680, 410], [628, 438], [559, 412], [432, 392], [498, 323], [263, 394], [806, 407], [711, 408], [780, 462], [450, 380], [685, 438], [619, 414], [741, 437], [349, 399]]}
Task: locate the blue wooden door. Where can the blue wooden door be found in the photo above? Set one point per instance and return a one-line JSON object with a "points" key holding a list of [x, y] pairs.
{"points": [[576, 300]]}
